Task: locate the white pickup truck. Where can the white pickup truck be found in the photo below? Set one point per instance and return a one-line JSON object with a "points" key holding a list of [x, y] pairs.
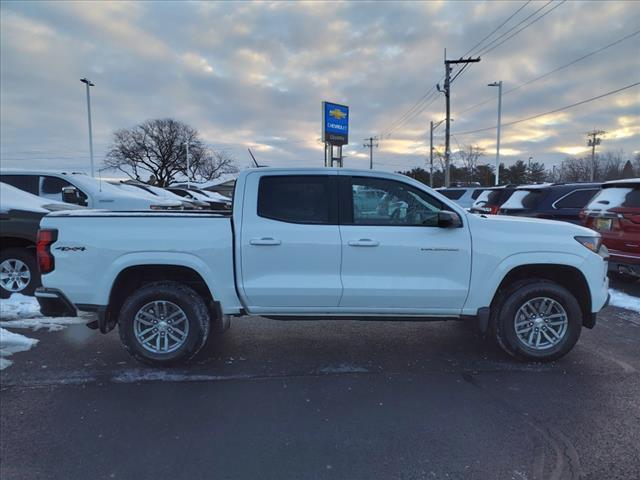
{"points": [[323, 244]]}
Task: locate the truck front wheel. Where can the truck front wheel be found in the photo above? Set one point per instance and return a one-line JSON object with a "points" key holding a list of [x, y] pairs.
{"points": [[164, 323], [537, 320]]}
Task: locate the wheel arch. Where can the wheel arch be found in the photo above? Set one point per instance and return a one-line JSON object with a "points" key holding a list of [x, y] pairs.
{"points": [[564, 275], [134, 276], [17, 242]]}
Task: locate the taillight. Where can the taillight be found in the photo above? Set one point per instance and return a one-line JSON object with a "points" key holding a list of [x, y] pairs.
{"points": [[46, 237], [632, 218]]}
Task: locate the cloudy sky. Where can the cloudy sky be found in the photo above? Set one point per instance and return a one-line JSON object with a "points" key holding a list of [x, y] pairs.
{"points": [[254, 75]]}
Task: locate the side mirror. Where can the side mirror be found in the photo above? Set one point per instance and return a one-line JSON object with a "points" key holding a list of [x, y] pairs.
{"points": [[447, 219], [71, 195]]}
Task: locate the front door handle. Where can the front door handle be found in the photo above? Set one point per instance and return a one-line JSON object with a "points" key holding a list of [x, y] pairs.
{"points": [[264, 241], [364, 242]]}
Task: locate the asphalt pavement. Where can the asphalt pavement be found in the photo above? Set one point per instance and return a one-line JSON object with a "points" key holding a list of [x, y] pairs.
{"points": [[325, 400]]}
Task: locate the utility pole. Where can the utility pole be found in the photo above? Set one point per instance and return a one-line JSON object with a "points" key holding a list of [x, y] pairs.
{"points": [[370, 145], [592, 142], [447, 93], [499, 85], [89, 83]]}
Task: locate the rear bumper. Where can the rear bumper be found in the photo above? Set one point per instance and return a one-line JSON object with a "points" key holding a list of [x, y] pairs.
{"points": [[624, 262], [54, 303]]}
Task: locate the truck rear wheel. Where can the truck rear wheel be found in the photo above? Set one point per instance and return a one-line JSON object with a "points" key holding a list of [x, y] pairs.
{"points": [[18, 272], [537, 320], [164, 324]]}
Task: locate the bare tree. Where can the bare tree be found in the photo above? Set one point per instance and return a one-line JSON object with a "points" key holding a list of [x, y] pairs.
{"points": [[210, 164], [469, 155], [158, 148]]}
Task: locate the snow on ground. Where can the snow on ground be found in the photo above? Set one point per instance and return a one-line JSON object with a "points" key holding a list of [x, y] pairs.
{"points": [[11, 343], [624, 300], [20, 311]]}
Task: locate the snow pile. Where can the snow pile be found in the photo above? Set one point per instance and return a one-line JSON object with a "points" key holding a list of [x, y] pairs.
{"points": [[12, 198], [623, 300], [11, 343], [20, 311], [19, 307]]}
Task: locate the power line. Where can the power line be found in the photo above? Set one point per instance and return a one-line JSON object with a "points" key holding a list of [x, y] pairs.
{"points": [[484, 52], [497, 28], [557, 69], [566, 107], [431, 94], [428, 102], [407, 115], [501, 36]]}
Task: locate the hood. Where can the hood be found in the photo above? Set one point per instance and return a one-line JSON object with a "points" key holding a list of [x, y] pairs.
{"points": [[528, 224]]}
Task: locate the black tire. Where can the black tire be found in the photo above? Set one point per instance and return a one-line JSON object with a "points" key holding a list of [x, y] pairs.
{"points": [[29, 259], [508, 305], [184, 297]]}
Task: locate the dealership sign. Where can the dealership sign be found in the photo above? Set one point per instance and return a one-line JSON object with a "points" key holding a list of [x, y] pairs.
{"points": [[335, 123]]}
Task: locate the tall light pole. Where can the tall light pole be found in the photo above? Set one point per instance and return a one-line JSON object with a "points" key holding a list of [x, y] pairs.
{"points": [[499, 85], [89, 83], [432, 128]]}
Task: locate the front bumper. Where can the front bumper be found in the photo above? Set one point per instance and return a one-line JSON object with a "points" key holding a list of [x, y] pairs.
{"points": [[53, 303]]}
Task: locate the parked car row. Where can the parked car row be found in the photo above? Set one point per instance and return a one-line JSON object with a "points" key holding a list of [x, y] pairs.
{"points": [[28, 195], [612, 209]]}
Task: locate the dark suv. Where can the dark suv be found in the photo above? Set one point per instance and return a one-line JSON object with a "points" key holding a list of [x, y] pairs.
{"points": [[491, 199], [560, 201]]}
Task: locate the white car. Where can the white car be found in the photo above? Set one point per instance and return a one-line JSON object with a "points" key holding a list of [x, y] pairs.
{"points": [[463, 196], [305, 243], [81, 189]]}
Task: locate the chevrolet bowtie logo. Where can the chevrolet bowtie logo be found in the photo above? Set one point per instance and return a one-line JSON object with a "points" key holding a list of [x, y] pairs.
{"points": [[337, 114]]}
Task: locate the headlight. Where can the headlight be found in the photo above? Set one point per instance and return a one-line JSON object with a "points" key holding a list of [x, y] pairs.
{"points": [[592, 243]]}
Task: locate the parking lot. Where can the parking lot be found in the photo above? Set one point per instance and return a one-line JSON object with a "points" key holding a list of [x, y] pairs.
{"points": [[325, 399]]}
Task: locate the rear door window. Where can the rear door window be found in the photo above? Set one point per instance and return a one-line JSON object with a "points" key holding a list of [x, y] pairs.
{"points": [[308, 199], [27, 183]]}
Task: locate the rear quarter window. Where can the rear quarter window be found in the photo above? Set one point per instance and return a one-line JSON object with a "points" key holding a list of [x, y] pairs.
{"points": [[576, 199], [476, 193], [616, 197], [452, 194], [525, 199]]}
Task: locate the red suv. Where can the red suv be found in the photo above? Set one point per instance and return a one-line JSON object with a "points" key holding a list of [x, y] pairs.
{"points": [[615, 214]]}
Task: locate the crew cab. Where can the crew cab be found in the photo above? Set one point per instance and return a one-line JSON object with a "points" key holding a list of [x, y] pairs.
{"points": [[310, 244]]}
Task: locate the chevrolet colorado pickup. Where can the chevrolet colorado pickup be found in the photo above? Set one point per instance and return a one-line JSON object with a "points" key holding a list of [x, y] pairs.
{"points": [[322, 244]]}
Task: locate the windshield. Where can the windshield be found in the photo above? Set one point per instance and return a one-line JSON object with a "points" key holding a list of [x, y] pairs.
{"points": [[615, 197]]}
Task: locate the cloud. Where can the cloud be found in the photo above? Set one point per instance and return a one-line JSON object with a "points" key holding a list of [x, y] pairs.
{"points": [[252, 75]]}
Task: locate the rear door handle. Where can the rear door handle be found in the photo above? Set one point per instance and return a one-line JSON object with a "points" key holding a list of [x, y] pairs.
{"points": [[264, 241], [364, 242]]}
